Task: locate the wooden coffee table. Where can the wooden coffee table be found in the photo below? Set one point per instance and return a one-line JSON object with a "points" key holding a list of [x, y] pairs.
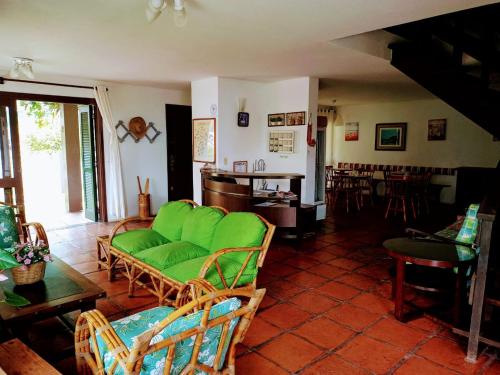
{"points": [[63, 290]]}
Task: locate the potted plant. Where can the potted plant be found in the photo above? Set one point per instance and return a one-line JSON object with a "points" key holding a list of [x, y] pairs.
{"points": [[27, 263], [32, 258]]}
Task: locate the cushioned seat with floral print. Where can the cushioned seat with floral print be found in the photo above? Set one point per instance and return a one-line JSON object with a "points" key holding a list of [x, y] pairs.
{"points": [[130, 327], [9, 235]]}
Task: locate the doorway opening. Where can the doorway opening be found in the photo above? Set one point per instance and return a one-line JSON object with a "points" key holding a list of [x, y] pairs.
{"points": [[57, 147]]}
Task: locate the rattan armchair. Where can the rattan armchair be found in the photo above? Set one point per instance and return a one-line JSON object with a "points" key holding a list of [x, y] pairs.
{"points": [[208, 344]]}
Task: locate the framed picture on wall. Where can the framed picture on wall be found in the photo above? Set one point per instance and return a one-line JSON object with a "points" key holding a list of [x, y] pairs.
{"points": [[240, 166], [436, 130], [243, 119], [296, 118], [276, 119], [390, 137], [204, 140], [351, 131]]}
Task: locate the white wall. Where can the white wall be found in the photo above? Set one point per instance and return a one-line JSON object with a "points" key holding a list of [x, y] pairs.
{"points": [[138, 159], [466, 143], [238, 143], [144, 159], [204, 94]]}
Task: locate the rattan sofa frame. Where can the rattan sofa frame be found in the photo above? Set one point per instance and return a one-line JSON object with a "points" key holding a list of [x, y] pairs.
{"points": [[142, 275]]}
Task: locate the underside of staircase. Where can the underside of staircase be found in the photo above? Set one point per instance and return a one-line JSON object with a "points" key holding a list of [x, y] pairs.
{"points": [[457, 58]]}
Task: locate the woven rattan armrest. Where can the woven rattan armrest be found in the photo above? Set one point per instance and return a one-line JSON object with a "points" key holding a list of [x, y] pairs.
{"points": [[213, 259], [89, 325], [126, 221]]}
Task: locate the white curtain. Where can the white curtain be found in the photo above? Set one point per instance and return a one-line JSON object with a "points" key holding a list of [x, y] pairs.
{"points": [[114, 188]]}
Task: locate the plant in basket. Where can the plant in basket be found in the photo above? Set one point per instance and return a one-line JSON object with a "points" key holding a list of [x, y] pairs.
{"points": [[27, 263], [32, 257]]}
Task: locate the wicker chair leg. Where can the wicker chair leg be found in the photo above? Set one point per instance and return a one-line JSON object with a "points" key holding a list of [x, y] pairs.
{"points": [[110, 267], [131, 282]]}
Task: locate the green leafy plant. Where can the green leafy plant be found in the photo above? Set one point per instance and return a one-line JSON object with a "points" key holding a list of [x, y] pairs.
{"points": [[7, 261], [49, 135]]}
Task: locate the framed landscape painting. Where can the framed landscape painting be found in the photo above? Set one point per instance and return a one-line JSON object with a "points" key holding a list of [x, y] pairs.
{"points": [[204, 140], [276, 119], [390, 137]]}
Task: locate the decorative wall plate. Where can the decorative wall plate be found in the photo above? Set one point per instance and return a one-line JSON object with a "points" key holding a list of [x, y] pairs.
{"points": [[137, 126]]}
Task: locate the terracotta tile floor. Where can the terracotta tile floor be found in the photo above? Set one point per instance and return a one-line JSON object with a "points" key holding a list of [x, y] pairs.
{"points": [[327, 308]]}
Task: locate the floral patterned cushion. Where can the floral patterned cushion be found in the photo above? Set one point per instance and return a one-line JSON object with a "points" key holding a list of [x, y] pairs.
{"points": [[468, 231], [8, 228], [130, 327]]}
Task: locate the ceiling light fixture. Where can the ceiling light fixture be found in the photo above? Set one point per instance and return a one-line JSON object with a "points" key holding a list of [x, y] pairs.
{"points": [[155, 7], [22, 67]]}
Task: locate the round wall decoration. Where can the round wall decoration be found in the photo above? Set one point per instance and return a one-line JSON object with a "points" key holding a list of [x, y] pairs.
{"points": [[137, 126]]}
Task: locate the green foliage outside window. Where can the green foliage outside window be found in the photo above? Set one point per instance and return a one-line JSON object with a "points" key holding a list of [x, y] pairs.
{"points": [[48, 138]]}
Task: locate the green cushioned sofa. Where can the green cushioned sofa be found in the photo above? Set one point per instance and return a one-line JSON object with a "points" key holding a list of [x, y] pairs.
{"points": [[186, 241]]}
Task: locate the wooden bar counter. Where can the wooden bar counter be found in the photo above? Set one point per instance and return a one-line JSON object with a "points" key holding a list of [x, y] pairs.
{"points": [[222, 188]]}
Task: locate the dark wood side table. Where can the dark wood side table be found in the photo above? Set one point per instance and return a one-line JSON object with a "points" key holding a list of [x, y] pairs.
{"points": [[63, 290], [428, 254], [17, 359]]}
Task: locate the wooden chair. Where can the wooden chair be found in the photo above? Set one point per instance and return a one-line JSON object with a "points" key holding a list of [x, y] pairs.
{"points": [[200, 336], [421, 193], [329, 184], [400, 196], [366, 186], [349, 189], [445, 250]]}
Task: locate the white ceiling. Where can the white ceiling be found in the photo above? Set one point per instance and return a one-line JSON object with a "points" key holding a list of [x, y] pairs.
{"points": [[248, 39]]}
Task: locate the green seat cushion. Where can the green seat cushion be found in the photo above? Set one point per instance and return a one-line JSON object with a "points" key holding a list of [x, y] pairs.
{"points": [[239, 229], [167, 255], [9, 235], [136, 240], [190, 269], [429, 250], [200, 224], [170, 219], [132, 326]]}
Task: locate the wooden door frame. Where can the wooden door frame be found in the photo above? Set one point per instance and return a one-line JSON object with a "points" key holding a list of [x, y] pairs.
{"points": [[99, 141]]}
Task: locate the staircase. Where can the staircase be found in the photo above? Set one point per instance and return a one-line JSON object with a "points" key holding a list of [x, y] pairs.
{"points": [[457, 58]]}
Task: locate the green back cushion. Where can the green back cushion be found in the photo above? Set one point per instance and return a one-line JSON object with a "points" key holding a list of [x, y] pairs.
{"points": [[239, 229], [8, 228], [170, 219], [468, 232], [131, 326], [200, 224], [164, 256], [190, 269], [136, 240]]}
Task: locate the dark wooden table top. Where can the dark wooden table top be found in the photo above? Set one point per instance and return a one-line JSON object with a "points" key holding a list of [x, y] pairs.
{"points": [[63, 289]]}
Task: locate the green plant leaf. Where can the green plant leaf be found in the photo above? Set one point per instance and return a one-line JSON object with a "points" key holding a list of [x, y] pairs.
{"points": [[14, 299], [7, 260]]}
